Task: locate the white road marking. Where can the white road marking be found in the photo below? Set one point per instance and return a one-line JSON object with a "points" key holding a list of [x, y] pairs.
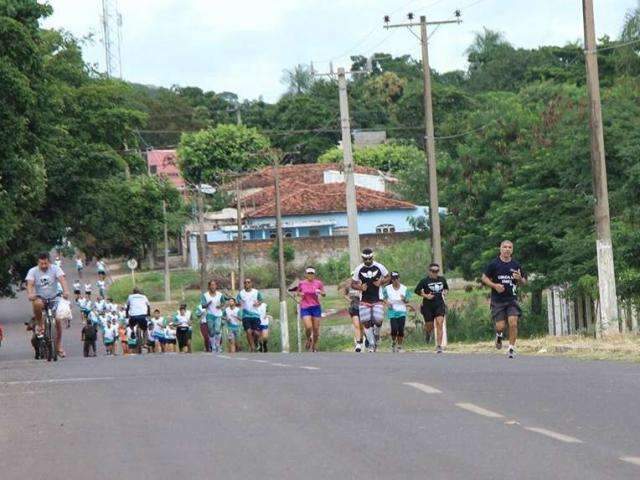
{"points": [[633, 460], [422, 387], [58, 380], [479, 410], [240, 358], [310, 368], [558, 436], [260, 361], [280, 365], [224, 356]]}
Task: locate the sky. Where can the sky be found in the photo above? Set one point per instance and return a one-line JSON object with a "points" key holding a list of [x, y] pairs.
{"points": [[243, 46]]}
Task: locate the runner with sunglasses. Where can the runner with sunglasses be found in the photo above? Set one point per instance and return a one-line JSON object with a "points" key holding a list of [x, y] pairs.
{"points": [[433, 289]]}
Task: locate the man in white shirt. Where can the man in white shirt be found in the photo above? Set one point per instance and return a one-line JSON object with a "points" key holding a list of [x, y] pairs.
{"points": [[138, 310]]}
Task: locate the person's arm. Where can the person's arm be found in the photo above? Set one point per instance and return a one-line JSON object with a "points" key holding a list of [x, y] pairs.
{"points": [[31, 295], [322, 290], [498, 287], [520, 277]]}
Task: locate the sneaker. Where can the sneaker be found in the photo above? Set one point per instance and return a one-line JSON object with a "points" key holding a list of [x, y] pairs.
{"points": [[438, 349], [498, 341], [358, 348], [393, 348], [371, 350], [511, 352], [399, 350]]}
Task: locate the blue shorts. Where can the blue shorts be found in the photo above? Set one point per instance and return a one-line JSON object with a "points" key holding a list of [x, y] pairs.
{"points": [[263, 327], [314, 311]]}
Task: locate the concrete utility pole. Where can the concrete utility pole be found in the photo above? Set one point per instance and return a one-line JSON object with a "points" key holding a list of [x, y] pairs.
{"points": [[203, 241], [609, 323], [429, 139], [167, 278], [240, 236], [347, 155], [284, 323]]}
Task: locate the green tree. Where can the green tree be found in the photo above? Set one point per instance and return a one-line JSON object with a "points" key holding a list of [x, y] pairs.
{"points": [[389, 157]]}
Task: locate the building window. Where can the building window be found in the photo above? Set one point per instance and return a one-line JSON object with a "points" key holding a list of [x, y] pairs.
{"points": [[337, 231], [272, 234], [314, 232], [153, 169], [287, 235], [385, 228]]}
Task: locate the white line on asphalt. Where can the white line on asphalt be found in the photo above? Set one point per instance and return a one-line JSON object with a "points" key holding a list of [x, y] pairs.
{"points": [[224, 356], [260, 361], [634, 460], [58, 380], [558, 436], [240, 358], [422, 387], [280, 365], [310, 368], [479, 410]]}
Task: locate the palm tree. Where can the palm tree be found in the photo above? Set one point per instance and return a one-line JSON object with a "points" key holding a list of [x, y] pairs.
{"points": [[298, 80]]}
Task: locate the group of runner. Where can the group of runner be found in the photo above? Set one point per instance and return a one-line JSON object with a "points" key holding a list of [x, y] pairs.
{"points": [[371, 291]]}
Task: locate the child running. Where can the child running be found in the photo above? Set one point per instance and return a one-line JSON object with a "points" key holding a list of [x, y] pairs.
{"points": [[89, 336], [396, 297], [264, 328], [232, 318]]}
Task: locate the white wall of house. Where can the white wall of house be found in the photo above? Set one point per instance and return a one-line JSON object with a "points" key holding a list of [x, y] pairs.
{"points": [[372, 182]]}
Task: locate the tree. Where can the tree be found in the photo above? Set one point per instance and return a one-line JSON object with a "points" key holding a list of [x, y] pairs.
{"points": [[298, 80], [206, 156], [389, 157]]}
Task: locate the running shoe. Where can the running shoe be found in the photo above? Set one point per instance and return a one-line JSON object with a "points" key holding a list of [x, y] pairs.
{"points": [[371, 350], [498, 341], [400, 350], [393, 348], [511, 353], [358, 348], [439, 349]]}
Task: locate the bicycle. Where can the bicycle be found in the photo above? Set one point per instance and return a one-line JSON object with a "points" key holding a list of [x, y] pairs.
{"points": [[46, 341]]}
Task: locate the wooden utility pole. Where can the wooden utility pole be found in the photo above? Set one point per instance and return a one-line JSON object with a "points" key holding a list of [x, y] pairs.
{"points": [[284, 323], [347, 155], [203, 240], [167, 278], [240, 236], [429, 139], [609, 323]]}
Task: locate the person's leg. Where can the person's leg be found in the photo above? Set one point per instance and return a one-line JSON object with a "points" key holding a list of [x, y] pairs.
{"points": [[394, 333], [93, 348], [513, 330], [38, 309], [439, 323], [264, 337], [400, 332], [307, 320], [366, 317], [357, 328], [250, 337], [59, 338], [316, 333], [85, 348], [205, 336]]}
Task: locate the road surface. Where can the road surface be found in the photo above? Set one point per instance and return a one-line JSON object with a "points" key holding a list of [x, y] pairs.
{"points": [[312, 416]]}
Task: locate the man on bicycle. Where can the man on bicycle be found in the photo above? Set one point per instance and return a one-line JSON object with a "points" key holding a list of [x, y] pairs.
{"points": [[138, 310], [42, 285]]}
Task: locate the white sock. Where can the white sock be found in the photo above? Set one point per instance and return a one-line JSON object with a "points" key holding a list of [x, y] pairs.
{"points": [[511, 347], [499, 334]]}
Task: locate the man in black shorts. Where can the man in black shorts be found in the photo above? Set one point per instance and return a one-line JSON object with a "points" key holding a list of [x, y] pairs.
{"points": [[503, 275], [432, 289]]}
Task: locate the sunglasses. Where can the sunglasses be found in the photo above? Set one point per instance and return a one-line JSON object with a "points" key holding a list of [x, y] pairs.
{"points": [[434, 270]]}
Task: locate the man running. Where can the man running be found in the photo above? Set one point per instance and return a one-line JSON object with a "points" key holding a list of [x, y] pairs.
{"points": [[79, 266], [503, 275], [42, 284], [369, 277], [433, 289], [138, 310], [249, 300]]}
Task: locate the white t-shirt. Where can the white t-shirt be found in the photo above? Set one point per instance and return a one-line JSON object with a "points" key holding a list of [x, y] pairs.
{"points": [[264, 318], [233, 315], [138, 304], [88, 287], [183, 320], [110, 333], [395, 297], [158, 326], [170, 333], [213, 302], [77, 286], [45, 283], [248, 300], [79, 263], [100, 266]]}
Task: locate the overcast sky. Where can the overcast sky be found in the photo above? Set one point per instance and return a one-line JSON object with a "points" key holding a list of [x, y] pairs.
{"points": [[243, 45]]}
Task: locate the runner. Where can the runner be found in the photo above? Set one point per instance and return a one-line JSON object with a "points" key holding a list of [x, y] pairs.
{"points": [[369, 277], [102, 287], [42, 284], [79, 266], [433, 289], [232, 317], [352, 296], [182, 324], [265, 321], [156, 341], [396, 297], [58, 262], [249, 300], [213, 302], [77, 289], [503, 275], [310, 289], [109, 337], [101, 267], [138, 310], [88, 288]]}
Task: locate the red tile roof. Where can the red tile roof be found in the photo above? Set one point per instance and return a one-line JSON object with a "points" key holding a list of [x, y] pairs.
{"points": [[308, 173], [326, 198], [266, 194]]}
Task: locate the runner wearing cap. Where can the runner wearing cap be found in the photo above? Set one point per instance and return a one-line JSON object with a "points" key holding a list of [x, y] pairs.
{"points": [[310, 289], [396, 297], [369, 277], [433, 289], [352, 296]]}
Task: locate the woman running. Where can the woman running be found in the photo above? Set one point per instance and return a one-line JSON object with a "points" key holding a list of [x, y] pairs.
{"points": [[309, 290], [352, 296]]}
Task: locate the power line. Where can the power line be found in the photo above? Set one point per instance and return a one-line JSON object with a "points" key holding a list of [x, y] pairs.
{"points": [[612, 47]]}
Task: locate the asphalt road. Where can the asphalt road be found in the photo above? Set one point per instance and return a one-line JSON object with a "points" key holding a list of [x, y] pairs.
{"points": [[311, 416]]}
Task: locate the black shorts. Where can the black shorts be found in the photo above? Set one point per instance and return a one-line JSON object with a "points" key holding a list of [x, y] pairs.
{"points": [[431, 311], [182, 334], [500, 311], [140, 320], [170, 341], [251, 323], [76, 292], [397, 326], [354, 309]]}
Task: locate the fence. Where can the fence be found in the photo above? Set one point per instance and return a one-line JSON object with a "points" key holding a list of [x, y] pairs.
{"points": [[569, 316]]}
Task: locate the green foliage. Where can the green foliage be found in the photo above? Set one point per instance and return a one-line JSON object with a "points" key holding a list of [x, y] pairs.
{"points": [[206, 156], [289, 253], [390, 157]]}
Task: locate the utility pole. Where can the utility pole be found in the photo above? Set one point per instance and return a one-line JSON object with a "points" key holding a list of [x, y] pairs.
{"points": [[609, 323], [347, 156], [284, 323], [203, 241], [429, 139], [167, 278], [240, 236]]}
